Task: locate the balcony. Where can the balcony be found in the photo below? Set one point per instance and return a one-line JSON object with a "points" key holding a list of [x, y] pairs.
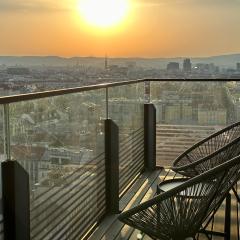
{"points": [[88, 153]]}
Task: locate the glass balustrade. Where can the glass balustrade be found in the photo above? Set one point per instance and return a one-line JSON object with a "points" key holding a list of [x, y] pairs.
{"points": [[60, 142], [126, 109], [188, 111]]}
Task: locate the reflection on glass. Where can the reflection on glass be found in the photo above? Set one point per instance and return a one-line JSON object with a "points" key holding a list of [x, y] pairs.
{"points": [[126, 105], [60, 142], [188, 111]]}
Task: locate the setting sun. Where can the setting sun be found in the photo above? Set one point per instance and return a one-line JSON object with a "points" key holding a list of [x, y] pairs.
{"points": [[104, 13]]}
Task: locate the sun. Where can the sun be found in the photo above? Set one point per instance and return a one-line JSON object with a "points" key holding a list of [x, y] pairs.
{"points": [[103, 13]]}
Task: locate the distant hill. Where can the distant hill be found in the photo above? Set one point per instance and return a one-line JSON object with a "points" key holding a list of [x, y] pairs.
{"points": [[222, 61]]}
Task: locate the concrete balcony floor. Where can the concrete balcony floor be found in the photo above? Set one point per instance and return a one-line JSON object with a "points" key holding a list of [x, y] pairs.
{"points": [[143, 189]]}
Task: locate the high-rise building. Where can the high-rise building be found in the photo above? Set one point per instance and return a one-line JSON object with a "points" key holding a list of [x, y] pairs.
{"points": [[173, 66], [238, 66], [187, 65]]}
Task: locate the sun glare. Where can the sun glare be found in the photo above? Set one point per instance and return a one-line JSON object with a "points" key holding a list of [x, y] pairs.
{"points": [[103, 13]]}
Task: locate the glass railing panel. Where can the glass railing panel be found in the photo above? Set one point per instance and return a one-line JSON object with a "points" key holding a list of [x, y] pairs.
{"points": [[2, 158], [126, 109], [60, 143], [189, 111]]}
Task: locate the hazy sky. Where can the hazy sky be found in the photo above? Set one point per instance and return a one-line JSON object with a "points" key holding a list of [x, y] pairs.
{"points": [[153, 28]]}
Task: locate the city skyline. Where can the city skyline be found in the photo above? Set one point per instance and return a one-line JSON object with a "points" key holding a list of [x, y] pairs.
{"points": [[187, 28]]}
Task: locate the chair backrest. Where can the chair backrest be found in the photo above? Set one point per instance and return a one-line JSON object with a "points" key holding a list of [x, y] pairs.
{"points": [[175, 215], [207, 153]]}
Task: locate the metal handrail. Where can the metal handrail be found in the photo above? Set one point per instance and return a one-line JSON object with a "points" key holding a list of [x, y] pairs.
{"points": [[59, 92], [52, 93]]}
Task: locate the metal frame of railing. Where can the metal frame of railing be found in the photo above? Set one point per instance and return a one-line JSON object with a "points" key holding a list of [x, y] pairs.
{"points": [[45, 94], [147, 139]]}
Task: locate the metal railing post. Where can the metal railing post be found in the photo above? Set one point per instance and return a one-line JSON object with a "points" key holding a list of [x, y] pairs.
{"points": [[15, 195], [6, 131], [147, 91], [149, 137], [112, 166], [107, 98], [227, 224]]}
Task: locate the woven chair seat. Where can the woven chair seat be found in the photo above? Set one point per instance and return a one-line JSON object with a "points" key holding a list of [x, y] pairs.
{"points": [[169, 215], [203, 155]]}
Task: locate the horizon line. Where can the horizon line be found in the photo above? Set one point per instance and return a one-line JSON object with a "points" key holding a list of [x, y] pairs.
{"points": [[121, 57]]}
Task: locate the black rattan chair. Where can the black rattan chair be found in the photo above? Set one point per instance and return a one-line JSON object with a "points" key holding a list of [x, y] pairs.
{"points": [[198, 158], [209, 153], [179, 213]]}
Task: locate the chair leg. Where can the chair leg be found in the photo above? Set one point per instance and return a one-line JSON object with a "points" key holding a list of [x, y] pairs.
{"points": [[227, 225], [227, 222], [236, 194]]}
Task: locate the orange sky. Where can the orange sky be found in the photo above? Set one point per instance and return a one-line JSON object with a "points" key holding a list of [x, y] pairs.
{"points": [[153, 28]]}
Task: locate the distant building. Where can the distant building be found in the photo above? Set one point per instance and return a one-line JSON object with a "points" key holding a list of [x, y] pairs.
{"points": [[208, 116], [66, 156], [187, 65], [18, 71], [131, 64], [173, 66], [177, 113], [238, 67], [125, 106], [206, 68]]}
